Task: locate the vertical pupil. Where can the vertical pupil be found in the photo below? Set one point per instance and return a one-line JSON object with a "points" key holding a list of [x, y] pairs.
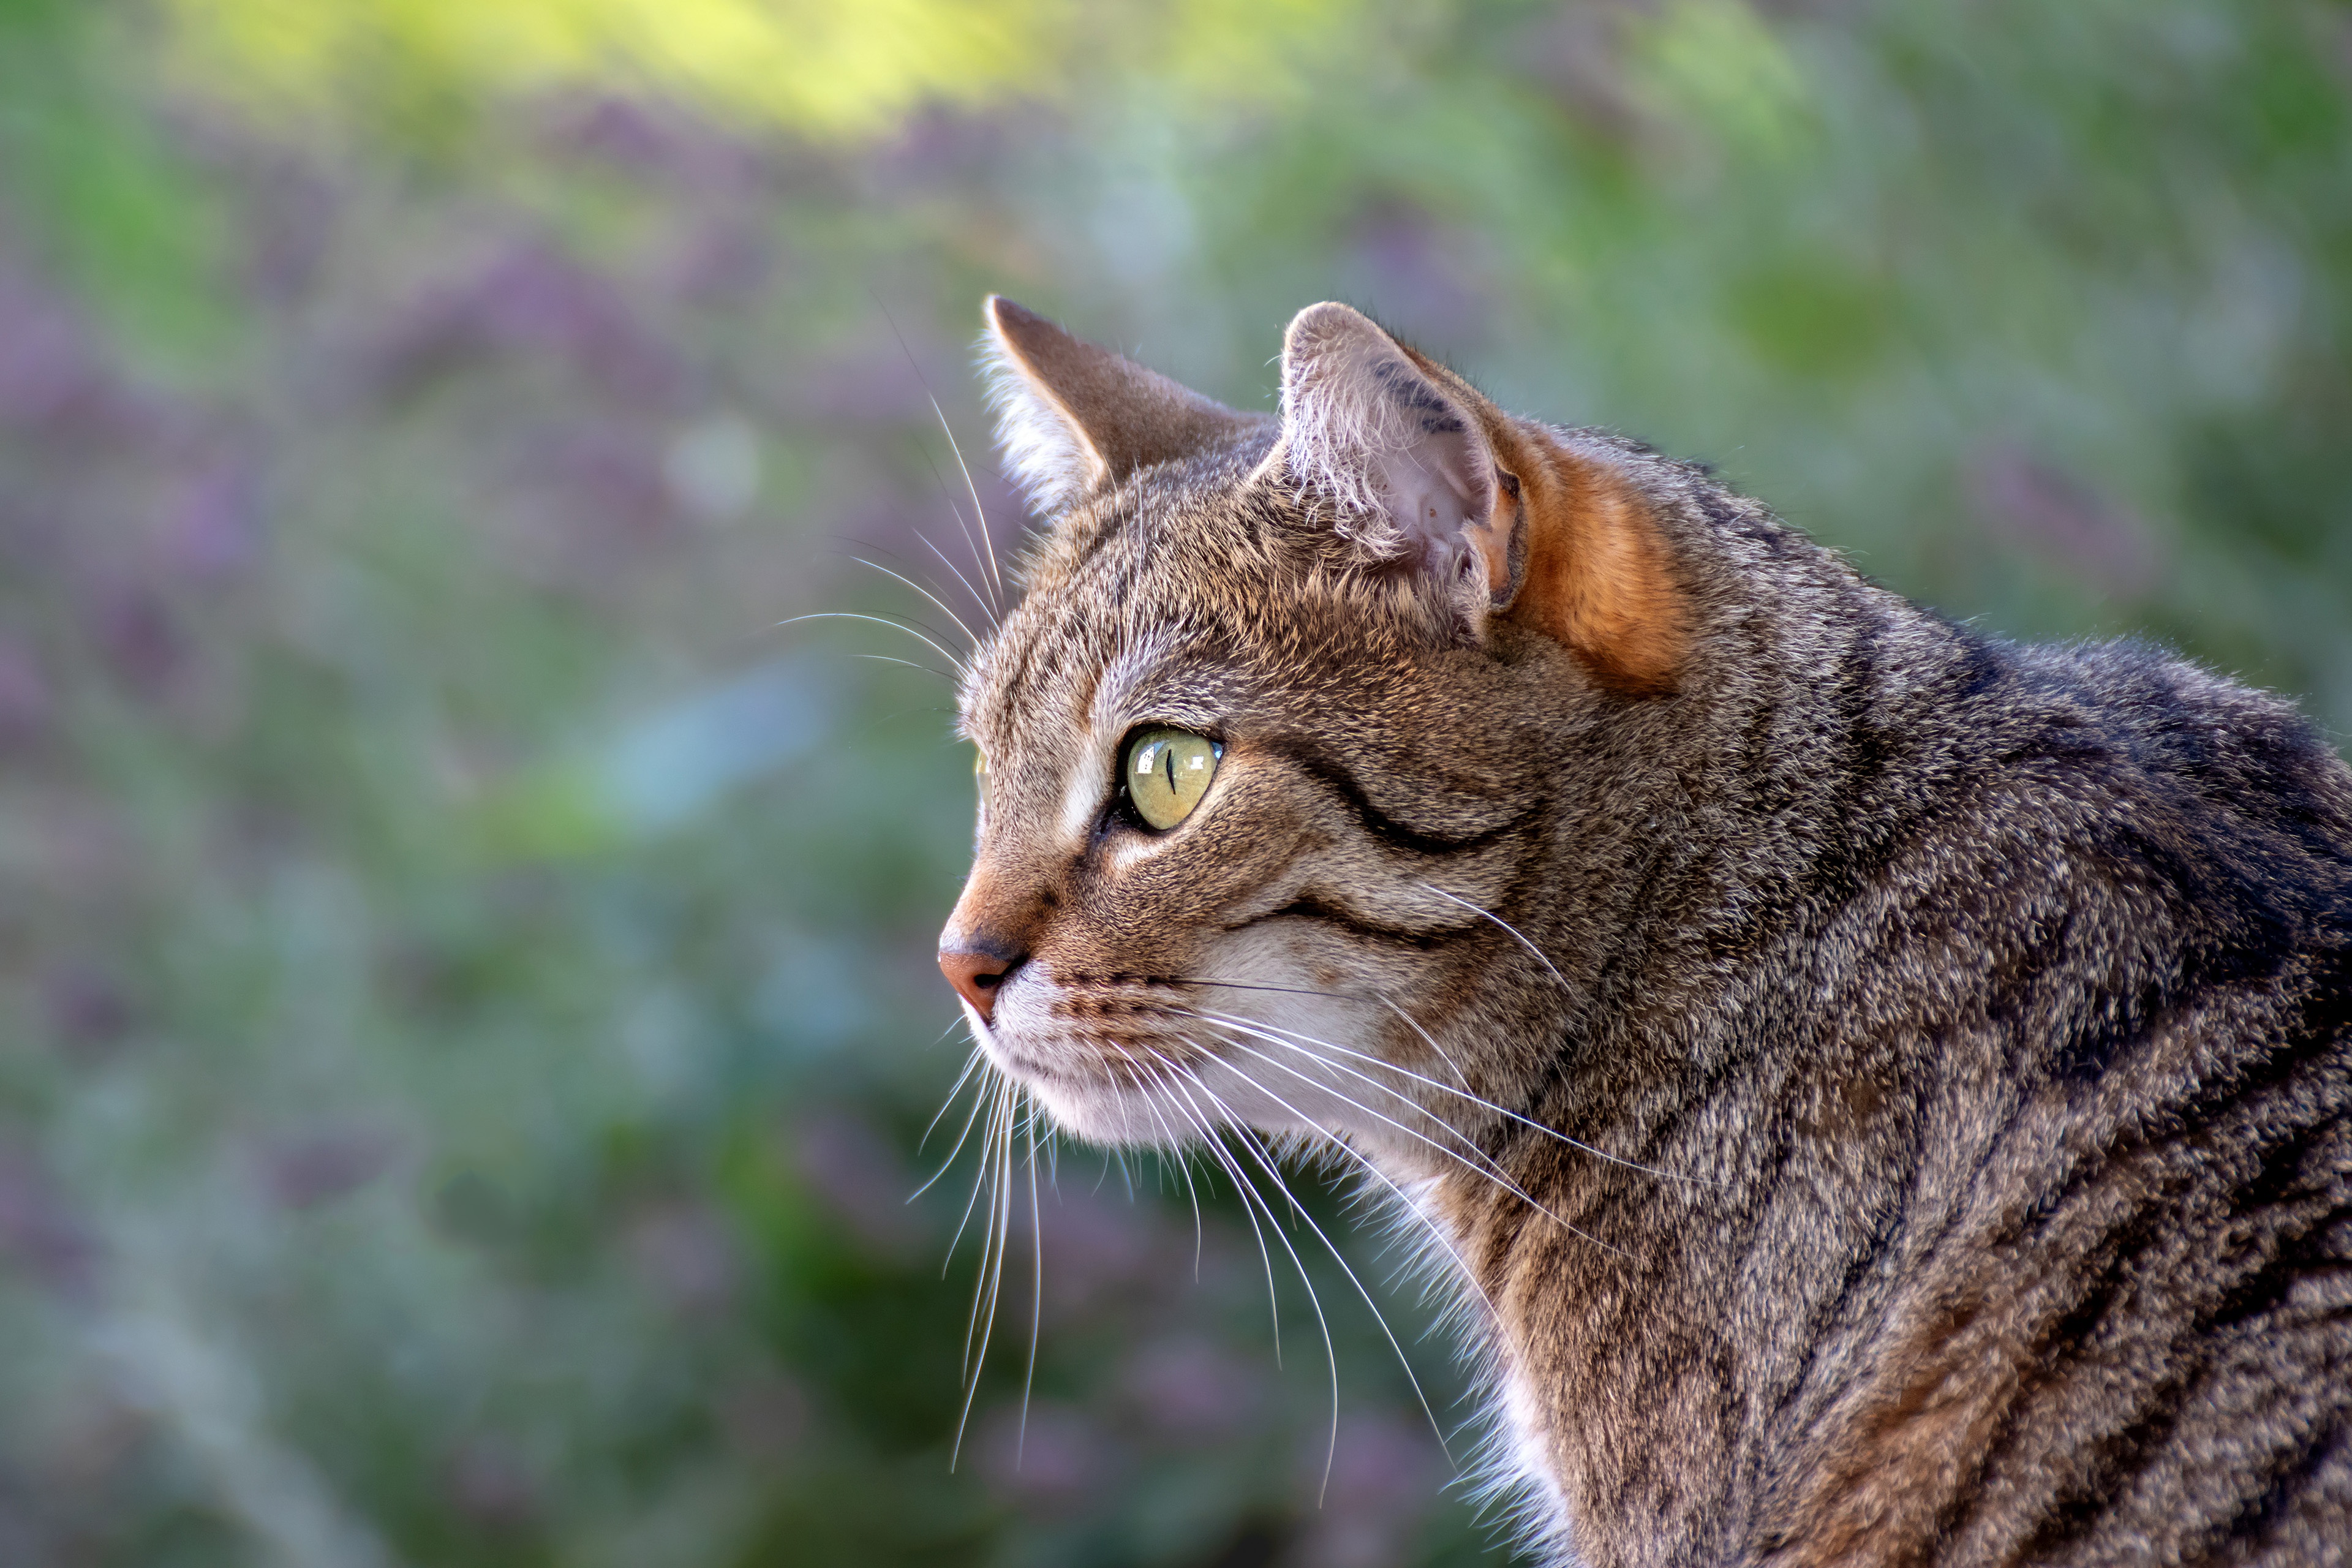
{"points": [[1171, 753]]}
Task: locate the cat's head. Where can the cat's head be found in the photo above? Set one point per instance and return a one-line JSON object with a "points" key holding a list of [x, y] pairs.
{"points": [[1287, 712]]}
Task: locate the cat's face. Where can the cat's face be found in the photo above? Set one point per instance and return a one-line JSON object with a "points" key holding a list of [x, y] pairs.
{"points": [[1223, 958], [1293, 945]]}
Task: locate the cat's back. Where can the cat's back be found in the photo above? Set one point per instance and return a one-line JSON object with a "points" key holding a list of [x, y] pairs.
{"points": [[2119, 1320]]}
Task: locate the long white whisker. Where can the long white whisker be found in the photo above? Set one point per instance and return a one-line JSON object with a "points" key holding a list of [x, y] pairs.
{"points": [[906, 664], [1373, 1170], [979, 512], [1184, 1168], [1492, 1172], [1209, 1141], [979, 516], [977, 597], [970, 636], [979, 1177], [1000, 1224], [1329, 1246], [1314, 1299], [970, 1065], [1036, 1286], [996, 1108], [961, 667], [1446, 1057], [1508, 926], [974, 1115], [1464, 1093]]}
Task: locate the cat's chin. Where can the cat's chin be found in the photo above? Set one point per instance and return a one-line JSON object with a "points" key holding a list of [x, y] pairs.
{"points": [[1103, 1113]]}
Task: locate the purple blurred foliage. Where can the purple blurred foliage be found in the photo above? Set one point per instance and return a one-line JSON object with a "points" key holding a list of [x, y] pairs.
{"points": [[590, 496], [1385, 1476], [2049, 511], [1399, 253], [1577, 52], [290, 227], [1050, 1460], [870, 378], [766, 1416], [1097, 1248], [685, 1254], [54, 379], [141, 638], [210, 516], [723, 258], [40, 1234], [674, 151], [858, 1175], [87, 1005], [1191, 1389], [490, 1484], [26, 700], [320, 1165], [939, 148], [528, 302]]}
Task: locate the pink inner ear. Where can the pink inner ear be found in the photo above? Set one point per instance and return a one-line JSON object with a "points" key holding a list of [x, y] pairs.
{"points": [[1362, 418], [1439, 489]]}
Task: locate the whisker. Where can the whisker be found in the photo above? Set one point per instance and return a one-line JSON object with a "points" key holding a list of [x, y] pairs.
{"points": [[1000, 1225], [988, 1226], [1184, 1167], [1036, 1286], [970, 636], [1373, 1170], [994, 618], [1330, 1246], [980, 1177], [971, 1064], [1495, 1174], [1446, 1057], [1464, 1093], [960, 669], [908, 663], [1273, 1301], [1314, 1298], [1508, 926], [978, 512], [949, 1163]]}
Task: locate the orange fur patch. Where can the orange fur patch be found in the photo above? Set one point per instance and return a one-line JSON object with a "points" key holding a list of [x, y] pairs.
{"points": [[1598, 576]]}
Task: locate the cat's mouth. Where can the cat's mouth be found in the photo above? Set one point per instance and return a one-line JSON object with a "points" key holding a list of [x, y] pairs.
{"points": [[1108, 1067]]}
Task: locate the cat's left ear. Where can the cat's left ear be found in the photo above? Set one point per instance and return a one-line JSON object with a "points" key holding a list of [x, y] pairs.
{"points": [[1071, 418]]}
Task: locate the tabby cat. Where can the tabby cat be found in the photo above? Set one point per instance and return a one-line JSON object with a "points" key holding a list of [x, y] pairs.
{"points": [[1883, 1091]]}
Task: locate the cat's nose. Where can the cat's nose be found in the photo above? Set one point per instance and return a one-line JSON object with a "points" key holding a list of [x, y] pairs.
{"points": [[977, 974]]}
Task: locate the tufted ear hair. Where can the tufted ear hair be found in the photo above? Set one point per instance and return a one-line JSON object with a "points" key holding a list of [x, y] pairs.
{"points": [[1400, 454], [1071, 418], [1508, 517]]}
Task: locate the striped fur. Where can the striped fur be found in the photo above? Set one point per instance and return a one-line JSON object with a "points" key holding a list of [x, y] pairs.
{"points": [[1881, 1093]]}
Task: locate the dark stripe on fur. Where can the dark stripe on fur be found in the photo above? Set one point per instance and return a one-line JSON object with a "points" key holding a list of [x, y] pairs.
{"points": [[1315, 909], [1317, 764]]}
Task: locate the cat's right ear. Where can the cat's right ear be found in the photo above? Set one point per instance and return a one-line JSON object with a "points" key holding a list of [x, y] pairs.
{"points": [[1071, 418], [1502, 515]]}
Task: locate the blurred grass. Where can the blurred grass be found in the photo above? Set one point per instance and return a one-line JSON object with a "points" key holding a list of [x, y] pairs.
{"points": [[467, 1031]]}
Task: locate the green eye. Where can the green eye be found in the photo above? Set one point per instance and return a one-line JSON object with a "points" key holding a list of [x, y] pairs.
{"points": [[1167, 771]]}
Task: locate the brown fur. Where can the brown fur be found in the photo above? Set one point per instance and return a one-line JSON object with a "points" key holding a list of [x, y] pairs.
{"points": [[1955, 1038]]}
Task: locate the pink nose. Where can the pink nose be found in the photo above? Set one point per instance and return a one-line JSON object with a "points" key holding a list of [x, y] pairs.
{"points": [[976, 976]]}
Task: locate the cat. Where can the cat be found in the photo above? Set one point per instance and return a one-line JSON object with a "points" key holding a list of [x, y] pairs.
{"points": [[1881, 1092]]}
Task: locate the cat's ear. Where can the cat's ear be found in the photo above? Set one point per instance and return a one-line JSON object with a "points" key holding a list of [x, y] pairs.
{"points": [[1506, 517], [1072, 417], [1404, 457]]}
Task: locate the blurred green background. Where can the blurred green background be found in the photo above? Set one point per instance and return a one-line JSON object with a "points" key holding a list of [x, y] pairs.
{"points": [[466, 1024]]}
